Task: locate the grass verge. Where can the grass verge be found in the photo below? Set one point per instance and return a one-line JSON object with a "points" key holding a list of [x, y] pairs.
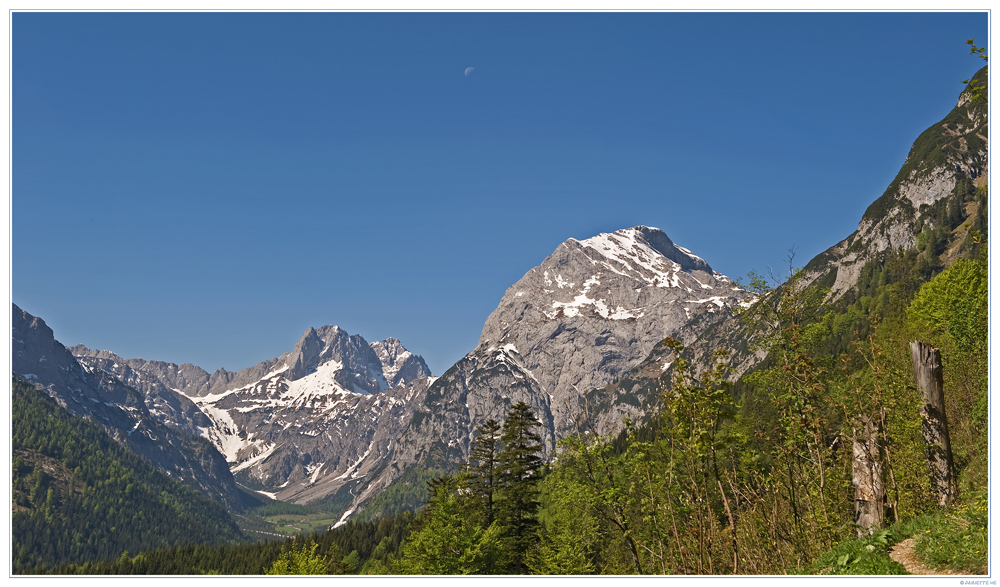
{"points": [[955, 539], [958, 538]]}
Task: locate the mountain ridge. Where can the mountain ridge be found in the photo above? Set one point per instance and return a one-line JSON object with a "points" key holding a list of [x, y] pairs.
{"points": [[944, 167], [334, 417], [270, 420]]}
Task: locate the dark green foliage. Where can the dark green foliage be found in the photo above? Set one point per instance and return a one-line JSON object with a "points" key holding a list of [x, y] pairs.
{"points": [[367, 536], [372, 541], [483, 520], [520, 465], [81, 496], [281, 507], [483, 470]]}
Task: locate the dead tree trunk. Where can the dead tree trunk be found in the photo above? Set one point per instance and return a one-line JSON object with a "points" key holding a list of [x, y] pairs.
{"points": [[930, 380], [868, 476]]}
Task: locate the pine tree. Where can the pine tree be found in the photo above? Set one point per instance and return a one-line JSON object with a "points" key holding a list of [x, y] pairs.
{"points": [[520, 464]]}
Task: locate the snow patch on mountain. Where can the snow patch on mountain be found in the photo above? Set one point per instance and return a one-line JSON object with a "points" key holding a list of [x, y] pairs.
{"points": [[629, 254], [223, 433], [577, 304], [264, 452], [318, 384], [355, 465], [314, 469]]}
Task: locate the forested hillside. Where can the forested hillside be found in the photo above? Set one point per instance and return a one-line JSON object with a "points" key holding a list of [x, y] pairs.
{"points": [[79, 495], [367, 546]]}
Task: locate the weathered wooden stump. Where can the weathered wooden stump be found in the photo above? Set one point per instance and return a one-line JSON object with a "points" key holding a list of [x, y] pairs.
{"points": [[930, 379], [868, 475]]}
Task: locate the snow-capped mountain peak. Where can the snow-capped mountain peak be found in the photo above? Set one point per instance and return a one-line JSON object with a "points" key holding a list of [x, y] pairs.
{"points": [[644, 253]]}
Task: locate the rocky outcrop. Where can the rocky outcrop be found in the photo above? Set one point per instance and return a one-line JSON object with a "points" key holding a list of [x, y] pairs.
{"points": [[955, 148], [945, 159]]}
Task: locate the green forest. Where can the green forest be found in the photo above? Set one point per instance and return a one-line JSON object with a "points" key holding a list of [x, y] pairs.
{"points": [[78, 494]]}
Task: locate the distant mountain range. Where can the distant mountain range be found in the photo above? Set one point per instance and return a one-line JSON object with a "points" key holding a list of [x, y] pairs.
{"points": [[297, 427]]}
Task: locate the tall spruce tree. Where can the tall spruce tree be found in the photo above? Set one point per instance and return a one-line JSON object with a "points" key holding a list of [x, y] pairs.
{"points": [[482, 470], [519, 470]]}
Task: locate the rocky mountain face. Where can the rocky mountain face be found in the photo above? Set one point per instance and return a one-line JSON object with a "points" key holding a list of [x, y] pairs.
{"points": [[589, 313], [299, 427], [943, 164], [120, 409]]}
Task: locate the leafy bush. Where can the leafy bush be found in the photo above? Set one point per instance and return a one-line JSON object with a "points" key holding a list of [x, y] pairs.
{"points": [[865, 556]]}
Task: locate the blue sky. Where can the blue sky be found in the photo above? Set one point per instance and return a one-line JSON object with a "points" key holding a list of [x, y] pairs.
{"points": [[203, 187]]}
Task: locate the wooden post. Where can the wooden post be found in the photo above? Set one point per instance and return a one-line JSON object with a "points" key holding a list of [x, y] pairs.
{"points": [[868, 476], [930, 379]]}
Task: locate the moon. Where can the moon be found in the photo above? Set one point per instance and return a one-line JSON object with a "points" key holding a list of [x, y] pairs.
{"points": [[469, 70]]}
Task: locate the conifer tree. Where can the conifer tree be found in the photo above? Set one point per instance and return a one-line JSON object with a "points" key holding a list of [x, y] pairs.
{"points": [[520, 464], [482, 469]]}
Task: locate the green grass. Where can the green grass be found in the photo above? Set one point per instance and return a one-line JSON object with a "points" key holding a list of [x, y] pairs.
{"points": [[956, 539], [301, 523], [864, 556], [290, 519]]}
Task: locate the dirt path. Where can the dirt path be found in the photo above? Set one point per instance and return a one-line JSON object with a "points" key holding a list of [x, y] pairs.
{"points": [[903, 553]]}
